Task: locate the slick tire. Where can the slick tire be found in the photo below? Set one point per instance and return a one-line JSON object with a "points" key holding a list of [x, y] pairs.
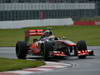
{"points": [[21, 50], [46, 48], [81, 45]]}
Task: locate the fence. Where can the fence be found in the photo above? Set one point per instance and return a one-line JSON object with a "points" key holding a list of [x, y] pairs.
{"points": [[52, 10]]}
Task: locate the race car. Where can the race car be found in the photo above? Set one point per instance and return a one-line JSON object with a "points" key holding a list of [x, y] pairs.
{"points": [[49, 46]]}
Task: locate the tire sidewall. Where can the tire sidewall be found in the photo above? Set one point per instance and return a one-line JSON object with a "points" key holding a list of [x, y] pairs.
{"points": [[21, 49], [81, 45]]}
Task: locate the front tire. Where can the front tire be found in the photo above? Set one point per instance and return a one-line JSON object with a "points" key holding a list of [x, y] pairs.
{"points": [[82, 57], [81, 45], [46, 48], [21, 50]]}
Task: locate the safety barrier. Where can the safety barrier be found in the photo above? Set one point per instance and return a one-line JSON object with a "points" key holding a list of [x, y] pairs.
{"points": [[32, 23], [97, 22], [90, 23]]}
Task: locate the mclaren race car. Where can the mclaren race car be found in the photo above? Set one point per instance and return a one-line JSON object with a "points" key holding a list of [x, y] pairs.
{"points": [[49, 46]]}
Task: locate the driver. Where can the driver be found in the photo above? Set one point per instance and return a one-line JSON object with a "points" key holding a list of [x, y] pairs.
{"points": [[48, 36], [47, 33]]}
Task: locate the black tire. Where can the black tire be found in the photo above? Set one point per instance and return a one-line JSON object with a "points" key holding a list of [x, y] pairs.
{"points": [[21, 50], [43, 51], [82, 57], [81, 45], [46, 47]]}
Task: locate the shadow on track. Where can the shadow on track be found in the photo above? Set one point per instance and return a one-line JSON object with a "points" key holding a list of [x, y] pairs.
{"points": [[57, 59]]}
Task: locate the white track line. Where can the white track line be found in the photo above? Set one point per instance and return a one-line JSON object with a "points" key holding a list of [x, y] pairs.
{"points": [[48, 67], [21, 72]]}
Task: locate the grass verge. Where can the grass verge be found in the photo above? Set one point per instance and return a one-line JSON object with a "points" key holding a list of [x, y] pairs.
{"points": [[9, 37], [16, 64]]}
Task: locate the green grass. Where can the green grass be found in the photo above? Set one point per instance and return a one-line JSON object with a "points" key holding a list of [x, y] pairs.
{"points": [[16, 64], [89, 33]]}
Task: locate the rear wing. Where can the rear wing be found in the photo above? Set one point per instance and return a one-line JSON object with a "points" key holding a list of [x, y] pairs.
{"points": [[34, 32]]}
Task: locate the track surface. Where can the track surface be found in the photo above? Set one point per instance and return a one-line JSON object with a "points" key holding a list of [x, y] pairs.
{"points": [[89, 66]]}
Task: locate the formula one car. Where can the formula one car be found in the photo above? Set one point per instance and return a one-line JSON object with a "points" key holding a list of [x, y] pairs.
{"points": [[50, 46]]}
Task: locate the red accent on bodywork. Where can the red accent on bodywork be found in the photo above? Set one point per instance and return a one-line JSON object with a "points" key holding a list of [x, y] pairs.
{"points": [[35, 49], [71, 44], [83, 52], [58, 54]]}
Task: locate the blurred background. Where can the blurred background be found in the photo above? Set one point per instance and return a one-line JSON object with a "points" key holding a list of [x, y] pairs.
{"points": [[49, 9]]}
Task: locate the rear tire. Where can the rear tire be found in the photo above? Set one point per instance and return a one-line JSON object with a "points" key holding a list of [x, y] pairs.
{"points": [[21, 50], [81, 45]]}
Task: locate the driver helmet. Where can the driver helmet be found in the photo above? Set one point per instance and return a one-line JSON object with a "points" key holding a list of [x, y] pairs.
{"points": [[47, 33]]}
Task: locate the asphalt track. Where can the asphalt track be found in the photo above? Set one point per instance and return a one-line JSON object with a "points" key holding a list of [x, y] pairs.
{"points": [[89, 66]]}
